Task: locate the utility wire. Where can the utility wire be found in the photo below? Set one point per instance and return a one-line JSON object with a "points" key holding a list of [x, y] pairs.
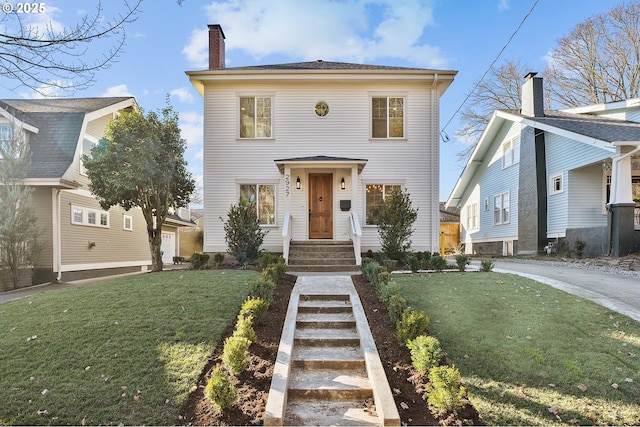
{"points": [[535, 3]]}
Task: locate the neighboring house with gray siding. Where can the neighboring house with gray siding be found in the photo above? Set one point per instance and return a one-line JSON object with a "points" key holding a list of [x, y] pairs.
{"points": [[538, 177], [319, 145], [79, 239]]}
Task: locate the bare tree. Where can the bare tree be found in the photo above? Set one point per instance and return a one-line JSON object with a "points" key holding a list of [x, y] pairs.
{"points": [[65, 58], [19, 228], [599, 60], [499, 90]]}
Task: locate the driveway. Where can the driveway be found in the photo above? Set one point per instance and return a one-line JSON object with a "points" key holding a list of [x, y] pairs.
{"points": [[617, 291]]}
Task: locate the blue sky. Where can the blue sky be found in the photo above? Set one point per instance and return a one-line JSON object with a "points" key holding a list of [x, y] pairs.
{"points": [[464, 35]]}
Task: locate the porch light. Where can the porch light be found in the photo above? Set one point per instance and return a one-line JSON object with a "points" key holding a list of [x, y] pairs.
{"points": [[342, 184], [298, 183]]}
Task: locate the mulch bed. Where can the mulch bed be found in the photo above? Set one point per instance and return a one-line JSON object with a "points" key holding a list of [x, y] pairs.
{"points": [[407, 385]]}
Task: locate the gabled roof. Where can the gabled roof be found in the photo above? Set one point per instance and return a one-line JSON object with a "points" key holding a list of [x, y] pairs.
{"points": [[59, 123], [590, 129], [320, 160]]}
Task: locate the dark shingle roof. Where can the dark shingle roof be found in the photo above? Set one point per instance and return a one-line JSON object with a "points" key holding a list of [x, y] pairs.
{"points": [[591, 125], [59, 122], [322, 65]]}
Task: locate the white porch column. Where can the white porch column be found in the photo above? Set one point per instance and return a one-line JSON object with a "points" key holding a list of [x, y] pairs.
{"points": [[621, 206], [621, 179], [354, 190]]}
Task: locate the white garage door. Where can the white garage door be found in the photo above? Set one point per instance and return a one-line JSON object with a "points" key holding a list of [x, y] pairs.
{"points": [[168, 247]]}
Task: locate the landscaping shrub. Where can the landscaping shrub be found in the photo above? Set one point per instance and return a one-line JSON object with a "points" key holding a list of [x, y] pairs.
{"points": [[243, 233], [412, 324], [390, 264], [383, 278], [426, 352], [199, 261], [376, 274], [234, 354], [220, 389], [438, 263], [267, 258], [395, 220], [263, 288], [413, 263], [486, 265], [387, 289], [255, 308], [396, 305], [445, 391], [217, 260], [579, 246], [274, 272], [462, 261], [244, 328]]}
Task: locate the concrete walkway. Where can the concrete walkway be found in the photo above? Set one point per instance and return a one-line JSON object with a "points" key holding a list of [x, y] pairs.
{"points": [[617, 292]]}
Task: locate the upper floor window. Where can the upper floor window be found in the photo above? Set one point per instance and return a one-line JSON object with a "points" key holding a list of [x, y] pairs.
{"points": [[264, 196], [387, 117], [376, 193], [255, 117], [510, 152], [87, 145], [501, 209]]}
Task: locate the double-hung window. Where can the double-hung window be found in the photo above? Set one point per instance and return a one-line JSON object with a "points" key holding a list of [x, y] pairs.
{"points": [[87, 145], [255, 117], [501, 209], [387, 117], [264, 197], [511, 152], [376, 193], [472, 216]]}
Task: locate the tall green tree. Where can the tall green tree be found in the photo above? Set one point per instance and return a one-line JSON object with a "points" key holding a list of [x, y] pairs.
{"points": [[19, 228], [140, 163]]}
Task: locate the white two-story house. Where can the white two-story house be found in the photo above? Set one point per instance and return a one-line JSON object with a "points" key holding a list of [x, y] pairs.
{"points": [[318, 145]]}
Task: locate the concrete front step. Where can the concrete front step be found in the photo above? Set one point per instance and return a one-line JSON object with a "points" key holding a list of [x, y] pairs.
{"points": [[326, 320], [325, 384], [305, 357], [331, 413], [321, 260], [326, 307], [326, 337], [321, 256], [323, 268]]}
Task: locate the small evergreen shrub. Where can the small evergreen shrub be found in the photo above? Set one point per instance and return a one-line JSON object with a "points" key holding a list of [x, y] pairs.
{"points": [[438, 263], [243, 233], [263, 289], [255, 308], [383, 278], [266, 259], [376, 274], [220, 389], [579, 246], [395, 219], [199, 261], [385, 291], [368, 268], [462, 261], [274, 272], [218, 259], [486, 265], [244, 328], [445, 391], [426, 352], [413, 263], [396, 305], [412, 324], [390, 264], [234, 354]]}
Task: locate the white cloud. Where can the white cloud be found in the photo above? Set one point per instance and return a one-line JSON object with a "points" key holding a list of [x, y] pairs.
{"points": [[191, 128], [54, 89], [183, 94], [351, 31], [503, 5], [118, 90]]}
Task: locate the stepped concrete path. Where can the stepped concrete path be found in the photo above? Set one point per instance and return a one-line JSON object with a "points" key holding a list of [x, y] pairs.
{"points": [[328, 371]]}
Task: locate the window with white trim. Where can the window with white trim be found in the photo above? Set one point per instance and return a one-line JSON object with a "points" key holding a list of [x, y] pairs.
{"points": [[255, 117], [89, 217], [6, 138], [511, 152], [472, 216], [387, 117], [264, 196], [375, 195], [501, 209], [556, 184], [87, 145], [127, 222]]}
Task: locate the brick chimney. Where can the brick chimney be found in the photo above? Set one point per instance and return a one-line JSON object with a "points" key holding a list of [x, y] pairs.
{"points": [[216, 47], [532, 96]]}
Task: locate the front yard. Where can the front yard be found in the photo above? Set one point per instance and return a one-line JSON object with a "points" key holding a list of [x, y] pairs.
{"points": [[530, 354], [124, 351]]}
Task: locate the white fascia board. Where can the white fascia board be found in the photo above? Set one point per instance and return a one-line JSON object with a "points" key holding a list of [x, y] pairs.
{"points": [[618, 105], [19, 123], [593, 142], [113, 108]]}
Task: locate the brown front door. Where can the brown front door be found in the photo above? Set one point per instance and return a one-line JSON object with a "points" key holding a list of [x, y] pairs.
{"points": [[320, 206]]}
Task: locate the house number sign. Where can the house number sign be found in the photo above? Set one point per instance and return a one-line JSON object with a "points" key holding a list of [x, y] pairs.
{"points": [[287, 183]]}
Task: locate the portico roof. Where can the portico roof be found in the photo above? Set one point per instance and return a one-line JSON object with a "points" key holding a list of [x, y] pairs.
{"points": [[320, 161]]}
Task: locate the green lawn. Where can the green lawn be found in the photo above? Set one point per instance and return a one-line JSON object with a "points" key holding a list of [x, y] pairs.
{"points": [[123, 351], [531, 354]]}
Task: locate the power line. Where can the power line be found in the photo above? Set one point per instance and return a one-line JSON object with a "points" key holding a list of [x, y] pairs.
{"points": [[445, 137]]}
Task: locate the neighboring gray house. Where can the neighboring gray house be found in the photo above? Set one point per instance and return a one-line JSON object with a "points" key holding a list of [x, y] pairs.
{"points": [[553, 177]]}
